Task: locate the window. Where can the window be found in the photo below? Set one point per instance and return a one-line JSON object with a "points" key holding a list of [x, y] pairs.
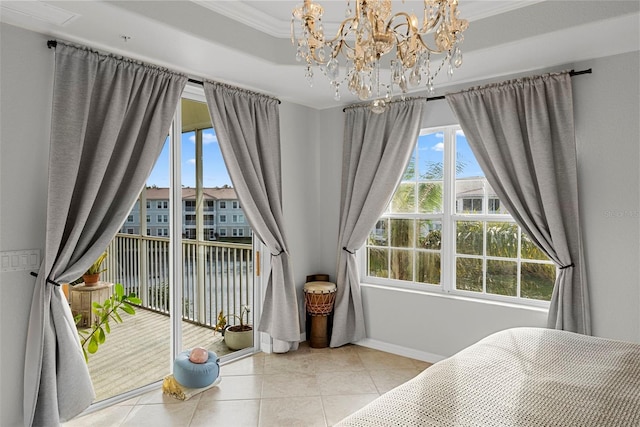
{"points": [[190, 219], [162, 204], [130, 218], [445, 230], [223, 218], [148, 204], [190, 205], [190, 233], [222, 232], [235, 205], [237, 232], [148, 218], [223, 205], [209, 205], [163, 218], [149, 233], [208, 220], [238, 218], [472, 205], [129, 230]]}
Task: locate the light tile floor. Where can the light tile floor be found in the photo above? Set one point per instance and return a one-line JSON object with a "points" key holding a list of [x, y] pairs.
{"points": [[308, 387]]}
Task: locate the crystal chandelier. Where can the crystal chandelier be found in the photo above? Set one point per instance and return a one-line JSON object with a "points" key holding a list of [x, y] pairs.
{"points": [[371, 32]]}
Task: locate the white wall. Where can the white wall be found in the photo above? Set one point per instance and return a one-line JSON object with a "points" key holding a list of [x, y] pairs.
{"points": [[298, 126], [607, 129], [311, 172], [607, 109], [25, 109], [606, 117]]}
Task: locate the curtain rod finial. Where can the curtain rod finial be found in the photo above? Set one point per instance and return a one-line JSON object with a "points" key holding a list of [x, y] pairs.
{"points": [[52, 43]]}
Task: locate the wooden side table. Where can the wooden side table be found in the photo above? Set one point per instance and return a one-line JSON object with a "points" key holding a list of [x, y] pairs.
{"points": [[82, 298]]}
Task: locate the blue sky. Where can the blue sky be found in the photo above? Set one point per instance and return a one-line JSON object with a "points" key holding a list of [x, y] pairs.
{"points": [[430, 150], [214, 174]]}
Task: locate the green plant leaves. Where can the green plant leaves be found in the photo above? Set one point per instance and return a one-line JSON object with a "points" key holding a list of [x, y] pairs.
{"points": [[133, 299], [127, 308], [91, 341], [93, 344], [119, 291]]}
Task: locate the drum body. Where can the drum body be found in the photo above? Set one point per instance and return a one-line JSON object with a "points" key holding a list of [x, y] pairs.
{"points": [[319, 299]]}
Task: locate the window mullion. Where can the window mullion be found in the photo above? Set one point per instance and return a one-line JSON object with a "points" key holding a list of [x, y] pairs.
{"points": [[448, 248]]}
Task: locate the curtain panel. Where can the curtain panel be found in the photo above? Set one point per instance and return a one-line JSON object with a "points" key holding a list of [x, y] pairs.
{"points": [[248, 129], [110, 118], [377, 149], [522, 133]]}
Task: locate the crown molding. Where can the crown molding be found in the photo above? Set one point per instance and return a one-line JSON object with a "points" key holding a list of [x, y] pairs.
{"points": [[242, 12]]}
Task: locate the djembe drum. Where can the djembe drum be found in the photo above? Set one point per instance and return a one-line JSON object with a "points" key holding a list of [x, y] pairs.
{"points": [[319, 298]]}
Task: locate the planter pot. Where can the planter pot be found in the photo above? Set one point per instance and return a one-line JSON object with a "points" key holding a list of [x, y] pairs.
{"points": [[91, 279], [238, 337]]}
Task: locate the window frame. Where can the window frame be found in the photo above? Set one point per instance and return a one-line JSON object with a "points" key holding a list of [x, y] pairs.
{"points": [[449, 219]]}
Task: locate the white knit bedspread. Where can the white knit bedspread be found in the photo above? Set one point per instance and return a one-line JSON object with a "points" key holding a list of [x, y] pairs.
{"points": [[519, 377]]}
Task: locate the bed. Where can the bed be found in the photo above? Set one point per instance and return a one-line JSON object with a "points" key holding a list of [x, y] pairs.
{"points": [[519, 377]]}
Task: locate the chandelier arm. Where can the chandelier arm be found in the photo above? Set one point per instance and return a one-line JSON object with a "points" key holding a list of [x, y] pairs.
{"points": [[339, 34], [408, 20]]}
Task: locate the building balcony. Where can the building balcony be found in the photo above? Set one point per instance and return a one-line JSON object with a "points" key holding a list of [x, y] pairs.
{"points": [[215, 277]]}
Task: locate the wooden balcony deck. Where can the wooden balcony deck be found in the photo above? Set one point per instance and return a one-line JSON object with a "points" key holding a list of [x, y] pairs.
{"points": [[137, 352]]}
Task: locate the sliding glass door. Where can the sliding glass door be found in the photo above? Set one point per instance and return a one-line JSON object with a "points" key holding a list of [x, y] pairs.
{"points": [[186, 250]]}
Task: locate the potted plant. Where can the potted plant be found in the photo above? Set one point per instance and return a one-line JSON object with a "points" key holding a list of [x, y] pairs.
{"points": [[92, 276], [236, 337]]}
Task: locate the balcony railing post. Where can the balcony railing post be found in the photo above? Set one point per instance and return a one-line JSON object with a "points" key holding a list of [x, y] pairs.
{"points": [[143, 251], [200, 294]]}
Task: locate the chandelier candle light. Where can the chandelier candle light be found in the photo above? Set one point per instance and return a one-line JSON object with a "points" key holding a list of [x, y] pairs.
{"points": [[365, 36]]}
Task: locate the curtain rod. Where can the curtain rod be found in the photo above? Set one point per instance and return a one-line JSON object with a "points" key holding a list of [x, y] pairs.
{"points": [[54, 44], [436, 98], [572, 73], [201, 83]]}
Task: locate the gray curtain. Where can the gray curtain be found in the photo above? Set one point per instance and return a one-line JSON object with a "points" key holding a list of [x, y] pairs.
{"points": [[110, 118], [377, 148], [522, 134], [248, 129]]}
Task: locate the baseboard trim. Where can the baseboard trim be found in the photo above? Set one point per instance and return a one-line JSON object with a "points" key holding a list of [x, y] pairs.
{"points": [[400, 350]]}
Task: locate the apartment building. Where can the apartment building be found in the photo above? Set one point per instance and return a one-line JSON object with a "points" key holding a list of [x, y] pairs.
{"points": [[221, 214]]}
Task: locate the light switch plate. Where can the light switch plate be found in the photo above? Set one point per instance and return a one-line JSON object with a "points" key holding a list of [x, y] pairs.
{"points": [[20, 260]]}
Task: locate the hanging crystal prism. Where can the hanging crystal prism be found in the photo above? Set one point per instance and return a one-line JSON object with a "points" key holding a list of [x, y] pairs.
{"points": [[309, 75], [457, 57], [378, 106], [333, 69]]}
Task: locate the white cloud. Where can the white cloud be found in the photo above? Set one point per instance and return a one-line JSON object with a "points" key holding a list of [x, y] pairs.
{"points": [[191, 161], [459, 132], [438, 147], [209, 138]]}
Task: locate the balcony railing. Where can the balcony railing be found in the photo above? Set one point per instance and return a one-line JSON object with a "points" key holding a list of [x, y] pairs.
{"points": [[216, 276]]}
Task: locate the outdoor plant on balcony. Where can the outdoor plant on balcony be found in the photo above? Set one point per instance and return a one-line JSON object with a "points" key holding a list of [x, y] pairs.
{"points": [[119, 302], [221, 325], [236, 337], [92, 275]]}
